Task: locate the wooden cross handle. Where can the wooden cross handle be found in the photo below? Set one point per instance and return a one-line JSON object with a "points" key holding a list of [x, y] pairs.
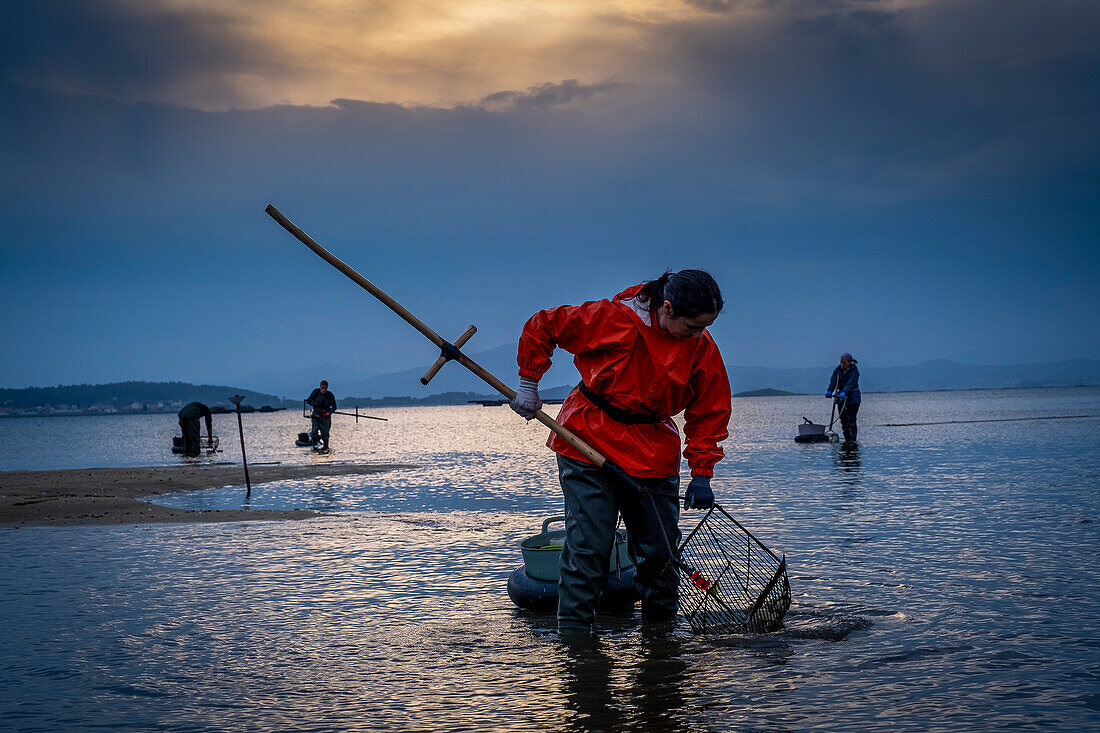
{"points": [[481, 372], [466, 335]]}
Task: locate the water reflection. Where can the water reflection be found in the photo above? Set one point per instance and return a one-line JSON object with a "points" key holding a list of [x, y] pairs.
{"points": [[659, 683], [588, 693], [324, 495], [654, 683], [847, 461]]}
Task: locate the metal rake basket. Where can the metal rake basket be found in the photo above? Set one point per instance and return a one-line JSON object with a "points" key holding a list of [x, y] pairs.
{"points": [[747, 590]]}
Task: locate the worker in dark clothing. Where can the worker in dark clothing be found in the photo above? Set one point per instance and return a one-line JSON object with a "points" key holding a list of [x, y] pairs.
{"points": [[189, 424], [844, 386], [324, 404]]}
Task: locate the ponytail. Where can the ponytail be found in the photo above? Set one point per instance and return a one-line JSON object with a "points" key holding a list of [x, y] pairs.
{"points": [[691, 292], [653, 292]]}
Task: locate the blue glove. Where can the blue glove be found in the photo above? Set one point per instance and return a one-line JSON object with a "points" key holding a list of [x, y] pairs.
{"points": [[840, 395], [828, 394], [698, 494]]}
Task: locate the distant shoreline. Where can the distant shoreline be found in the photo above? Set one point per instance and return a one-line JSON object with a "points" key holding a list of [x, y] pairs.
{"points": [[81, 413], [781, 393], [106, 496], [426, 401]]}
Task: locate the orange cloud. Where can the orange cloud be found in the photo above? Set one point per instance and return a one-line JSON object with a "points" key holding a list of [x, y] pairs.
{"points": [[214, 55]]}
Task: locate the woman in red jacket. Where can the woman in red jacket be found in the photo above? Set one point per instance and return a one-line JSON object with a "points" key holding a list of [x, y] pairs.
{"points": [[643, 357]]}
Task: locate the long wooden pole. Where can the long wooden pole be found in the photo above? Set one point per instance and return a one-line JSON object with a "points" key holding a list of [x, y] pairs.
{"points": [[583, 448], [358, 415], [696, 577]]}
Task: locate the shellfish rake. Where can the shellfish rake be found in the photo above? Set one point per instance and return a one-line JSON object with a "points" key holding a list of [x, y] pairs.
{"points": [[730, 582], [746, 586]]}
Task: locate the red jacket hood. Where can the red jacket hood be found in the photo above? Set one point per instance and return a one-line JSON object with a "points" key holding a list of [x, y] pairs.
{"points": [[629, 293]]}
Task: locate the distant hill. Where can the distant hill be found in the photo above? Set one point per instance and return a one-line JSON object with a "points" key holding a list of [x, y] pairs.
{"points": [[298, 383], [443, 398], [501, 361], [455, 385], [121, 395], [929, 375], [766, 392]]}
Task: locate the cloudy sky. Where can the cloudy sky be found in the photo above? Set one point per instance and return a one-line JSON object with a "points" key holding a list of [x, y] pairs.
{"points": [[903, 179]]}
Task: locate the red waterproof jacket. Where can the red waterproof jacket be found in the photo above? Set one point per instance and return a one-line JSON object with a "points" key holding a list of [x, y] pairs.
{"points": [[640, 369]]}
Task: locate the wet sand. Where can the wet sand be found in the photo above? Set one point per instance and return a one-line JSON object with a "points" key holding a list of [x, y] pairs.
{"points": [[113, 495]]}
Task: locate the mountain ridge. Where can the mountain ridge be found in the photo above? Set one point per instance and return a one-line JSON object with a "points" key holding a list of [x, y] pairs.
{"points": [[454, 383], [933, 374]]}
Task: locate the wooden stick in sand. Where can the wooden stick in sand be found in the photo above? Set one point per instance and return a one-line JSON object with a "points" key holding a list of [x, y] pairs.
{"points": [[236, 400]]}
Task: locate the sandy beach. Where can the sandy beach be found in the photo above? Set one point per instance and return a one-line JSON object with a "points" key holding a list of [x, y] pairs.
{"points": [[114, 495]]}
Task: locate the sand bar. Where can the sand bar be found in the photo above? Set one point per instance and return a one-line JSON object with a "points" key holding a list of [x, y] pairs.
{"points": [[113, 495]]}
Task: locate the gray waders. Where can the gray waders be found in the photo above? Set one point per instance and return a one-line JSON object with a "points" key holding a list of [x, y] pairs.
{"points": [[321, 427], [848, 421], [593, 501]]}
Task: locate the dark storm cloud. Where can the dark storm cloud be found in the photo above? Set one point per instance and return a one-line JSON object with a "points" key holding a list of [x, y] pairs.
{"points": [[715, 6], [545, 96], [729, 6], [900, 100], [125, 50]]}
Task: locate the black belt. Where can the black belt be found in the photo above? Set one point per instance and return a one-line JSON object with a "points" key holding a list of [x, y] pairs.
{"points": [[617, 413]]}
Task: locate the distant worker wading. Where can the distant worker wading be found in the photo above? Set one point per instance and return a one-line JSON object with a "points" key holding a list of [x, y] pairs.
{"points": [[189, 417], [844, 388], [643, 356], [323, 403]]}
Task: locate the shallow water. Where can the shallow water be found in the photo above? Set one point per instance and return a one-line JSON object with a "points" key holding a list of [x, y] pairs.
{"points": [[944, 577]]}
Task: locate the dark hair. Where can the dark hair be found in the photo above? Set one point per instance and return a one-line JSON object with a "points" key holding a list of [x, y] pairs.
{"points": [[691, 292], [324, 382]]}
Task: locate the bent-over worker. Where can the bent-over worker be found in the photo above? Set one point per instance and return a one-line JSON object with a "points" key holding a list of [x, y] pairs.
{"points": [[189, 417], [643, 356]]}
